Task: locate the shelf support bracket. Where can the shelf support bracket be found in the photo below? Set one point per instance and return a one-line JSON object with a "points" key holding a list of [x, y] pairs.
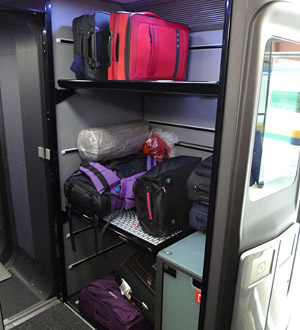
{"points": [[63, 94]]}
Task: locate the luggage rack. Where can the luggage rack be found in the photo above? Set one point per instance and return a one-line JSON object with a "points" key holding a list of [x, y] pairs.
{"points": [[158, 86], [125, 224]]}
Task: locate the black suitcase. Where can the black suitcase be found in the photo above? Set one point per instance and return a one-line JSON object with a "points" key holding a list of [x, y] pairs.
{"points": [[198, 183], [91, 35], [139, 272], [161, 196]]}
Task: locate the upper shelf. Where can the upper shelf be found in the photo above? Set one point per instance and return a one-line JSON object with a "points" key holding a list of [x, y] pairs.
{"points": [[161, 86]]}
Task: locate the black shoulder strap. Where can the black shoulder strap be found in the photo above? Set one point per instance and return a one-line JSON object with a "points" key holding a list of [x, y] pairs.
{"points": [[98, 174]]}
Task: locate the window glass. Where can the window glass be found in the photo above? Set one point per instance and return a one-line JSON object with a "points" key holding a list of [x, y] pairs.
{"points": [[277, 136]]}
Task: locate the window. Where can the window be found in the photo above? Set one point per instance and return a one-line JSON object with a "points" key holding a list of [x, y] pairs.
{"points": [[277, 138]]}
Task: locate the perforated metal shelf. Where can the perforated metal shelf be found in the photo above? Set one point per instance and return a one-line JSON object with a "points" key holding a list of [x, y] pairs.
{"points": [[125, 223]]}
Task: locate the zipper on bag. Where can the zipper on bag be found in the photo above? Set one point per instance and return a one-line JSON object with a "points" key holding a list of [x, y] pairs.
{"points": [[149, 206]]}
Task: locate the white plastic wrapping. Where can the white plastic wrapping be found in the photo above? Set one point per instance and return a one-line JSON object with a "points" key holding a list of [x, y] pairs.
{"points": [[112, 141]]}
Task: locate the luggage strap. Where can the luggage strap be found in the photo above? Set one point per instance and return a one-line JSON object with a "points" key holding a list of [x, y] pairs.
{"points": [[102, 177], [127, 292]]}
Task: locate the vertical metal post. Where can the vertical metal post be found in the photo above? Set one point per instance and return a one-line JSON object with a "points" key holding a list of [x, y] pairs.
{"points": [[1, 319]]}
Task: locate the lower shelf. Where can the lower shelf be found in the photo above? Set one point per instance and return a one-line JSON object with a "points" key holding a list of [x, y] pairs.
{"points": [[125, 223]]}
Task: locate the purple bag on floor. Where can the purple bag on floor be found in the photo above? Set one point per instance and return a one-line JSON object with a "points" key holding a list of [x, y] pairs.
{"points": [[102, 304]]}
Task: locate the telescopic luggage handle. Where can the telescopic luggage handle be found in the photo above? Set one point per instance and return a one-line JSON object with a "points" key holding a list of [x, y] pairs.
{"points": [[145, 13], [148, 13]]}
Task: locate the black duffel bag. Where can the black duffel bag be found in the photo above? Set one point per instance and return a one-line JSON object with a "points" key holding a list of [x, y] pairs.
{"points": [[161, 196], [82, 194]]}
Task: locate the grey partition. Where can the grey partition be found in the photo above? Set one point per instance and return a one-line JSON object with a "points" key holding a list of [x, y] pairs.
{"points": [[179, 283]]}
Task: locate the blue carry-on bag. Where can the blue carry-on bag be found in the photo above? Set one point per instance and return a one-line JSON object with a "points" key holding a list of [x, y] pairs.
{"points": [[91, 36]]}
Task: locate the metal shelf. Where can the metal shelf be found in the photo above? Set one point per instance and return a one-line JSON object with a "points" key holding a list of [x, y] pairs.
{"points": [[159, 86], [125, 224]]}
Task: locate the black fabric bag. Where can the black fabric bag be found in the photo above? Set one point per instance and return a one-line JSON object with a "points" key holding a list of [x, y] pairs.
{"points": [[198, 183], [129, 165], [91, 36], [161, 196], [139, 272], [82, 195]]}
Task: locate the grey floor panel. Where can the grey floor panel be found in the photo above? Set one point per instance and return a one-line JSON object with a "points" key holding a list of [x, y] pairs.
{"points": [[4, 273], [15, 296], [58, 317]]}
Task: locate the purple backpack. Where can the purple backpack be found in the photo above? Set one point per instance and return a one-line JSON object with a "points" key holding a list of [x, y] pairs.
{"points": [[107, 181], [102, 304]]}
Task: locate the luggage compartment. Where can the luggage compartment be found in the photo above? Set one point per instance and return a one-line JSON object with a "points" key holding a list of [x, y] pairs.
{"points": [[189, 109]]}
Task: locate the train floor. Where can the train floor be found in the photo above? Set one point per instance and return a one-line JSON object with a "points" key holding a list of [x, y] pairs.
{"points": [[15, 296], [56, 317]]}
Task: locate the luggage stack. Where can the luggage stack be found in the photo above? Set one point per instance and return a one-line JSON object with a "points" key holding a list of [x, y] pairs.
{"points": [[157, 190], [129, 46], [116, 179], [100, 188], [124, 300]]}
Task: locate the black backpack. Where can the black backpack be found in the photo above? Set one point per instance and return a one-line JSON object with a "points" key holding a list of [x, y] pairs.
{"points": [[161, 196]]}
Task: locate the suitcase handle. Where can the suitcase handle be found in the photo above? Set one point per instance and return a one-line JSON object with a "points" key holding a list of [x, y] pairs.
{"points": [[148, 13], [110, 36], [115, 48], [145, 13], [91, 50]]}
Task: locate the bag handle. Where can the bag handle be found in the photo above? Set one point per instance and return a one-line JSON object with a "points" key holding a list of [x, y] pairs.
{"points": [[148, 13], [115, 48], [91, 49], [109, 45], [145, 13]]}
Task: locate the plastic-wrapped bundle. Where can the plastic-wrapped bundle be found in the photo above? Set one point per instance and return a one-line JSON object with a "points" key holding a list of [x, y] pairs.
{"points": [[112, 141]]}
